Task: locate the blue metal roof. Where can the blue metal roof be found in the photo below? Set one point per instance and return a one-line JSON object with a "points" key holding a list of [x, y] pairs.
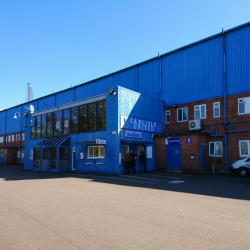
{"points": [[53, 141]]}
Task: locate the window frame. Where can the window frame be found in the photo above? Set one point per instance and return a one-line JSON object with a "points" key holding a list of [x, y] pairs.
{"points": [[182, 114], [200, 111], [167, 113], [246, 103], [94, 157], [215, 153], [215, 108], [248, 142]]}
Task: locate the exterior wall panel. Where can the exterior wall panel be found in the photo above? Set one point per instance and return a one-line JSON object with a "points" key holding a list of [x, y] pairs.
{"points": [[149, 78], [194, 73], [64, 97], [2, 122], [48, 100], [238, 60]]}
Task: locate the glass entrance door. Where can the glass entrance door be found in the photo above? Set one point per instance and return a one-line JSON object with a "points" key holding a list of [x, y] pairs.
{"points": [[53, 158], [45, 160], [37, 159]]}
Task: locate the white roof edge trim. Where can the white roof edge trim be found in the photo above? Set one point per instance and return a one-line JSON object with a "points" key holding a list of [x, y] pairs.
{"points": [[70, 105]]}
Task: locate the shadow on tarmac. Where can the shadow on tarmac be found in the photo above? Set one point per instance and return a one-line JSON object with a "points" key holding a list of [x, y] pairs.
{"points": [[224, 186]]}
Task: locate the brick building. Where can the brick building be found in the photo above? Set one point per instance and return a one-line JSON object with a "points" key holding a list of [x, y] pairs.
{"points": [[200, 92]]}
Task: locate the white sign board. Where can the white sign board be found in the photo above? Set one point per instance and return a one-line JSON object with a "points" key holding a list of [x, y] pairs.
{"points": [[149, 152], [98, 141]]}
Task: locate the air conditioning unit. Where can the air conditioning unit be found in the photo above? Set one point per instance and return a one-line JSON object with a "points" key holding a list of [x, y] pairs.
{"points": [[195, 124], [241, 100]]}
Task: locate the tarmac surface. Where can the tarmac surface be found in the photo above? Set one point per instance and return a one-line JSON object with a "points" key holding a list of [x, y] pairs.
{"points": [[141, 211]]}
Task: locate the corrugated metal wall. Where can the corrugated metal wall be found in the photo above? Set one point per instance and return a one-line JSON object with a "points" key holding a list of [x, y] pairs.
{"points": [[187, 75], [194, 73], [238, 61]]}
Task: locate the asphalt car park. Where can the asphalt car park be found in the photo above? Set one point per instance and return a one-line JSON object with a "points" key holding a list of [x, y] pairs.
{"points": [[141, 211]]}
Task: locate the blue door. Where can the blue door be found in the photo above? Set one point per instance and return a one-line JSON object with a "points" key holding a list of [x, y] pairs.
{"points": [[1, 157], [201, 160], [173, 153]]}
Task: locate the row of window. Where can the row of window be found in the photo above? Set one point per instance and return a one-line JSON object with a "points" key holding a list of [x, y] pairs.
{"points": [[199, 112], [87, 117], [215, 148], [12, 138]]}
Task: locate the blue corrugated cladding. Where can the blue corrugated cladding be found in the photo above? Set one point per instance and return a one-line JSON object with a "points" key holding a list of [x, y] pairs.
{"points": [[2, 122], [64, 97], [124, 78], [46, 102], [238, 60], [149, 78], [194, 73]]}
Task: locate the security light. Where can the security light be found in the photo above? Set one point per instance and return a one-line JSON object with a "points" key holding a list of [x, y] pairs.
{"points": [[174, 105], [111, 92], [15, 117]]}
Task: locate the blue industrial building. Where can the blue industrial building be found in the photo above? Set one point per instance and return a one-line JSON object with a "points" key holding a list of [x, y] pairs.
{"points": [[215, 67]]}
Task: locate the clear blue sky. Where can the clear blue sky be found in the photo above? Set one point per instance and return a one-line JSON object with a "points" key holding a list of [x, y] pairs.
{"points": [[54, 44]]}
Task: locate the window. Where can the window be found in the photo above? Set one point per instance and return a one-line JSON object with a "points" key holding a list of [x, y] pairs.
{"points": [[50, 124], [58, 123], [216, 109], [66, 121], [167, 116], [200, 112], [43, 125], [182, 114], [6, 138], [38, 126], [124, 150], [92, 116], [96, 152], [244, 148], [31, 154], [23, 136], [101, 115], [1, 139], [18, 137], [244, 105], [215, 149], [74, 120], [13, 137], [83, 118], [9, 138]]}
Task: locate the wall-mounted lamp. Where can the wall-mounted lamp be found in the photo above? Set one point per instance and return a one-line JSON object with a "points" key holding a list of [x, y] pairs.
{"points": [[174, 105], [111, 92]]}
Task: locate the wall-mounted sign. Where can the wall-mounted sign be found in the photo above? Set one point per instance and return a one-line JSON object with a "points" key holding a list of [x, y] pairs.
{"points": [[132, 134], [66, 123], [132, 123], [189, 140], [81, 155], [173, 141], [98, 141]]}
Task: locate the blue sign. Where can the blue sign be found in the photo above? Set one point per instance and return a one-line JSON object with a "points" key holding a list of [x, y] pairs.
{"points": [[132, 134], [128, 122], [173, 141], [189, 140]]}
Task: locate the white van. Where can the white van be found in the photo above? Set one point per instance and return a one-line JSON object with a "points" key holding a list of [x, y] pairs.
{"points": [[242, 167]]}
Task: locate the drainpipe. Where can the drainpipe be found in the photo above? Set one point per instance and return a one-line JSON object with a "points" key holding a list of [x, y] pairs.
{"points": [[21, 135], [160, 76], [136, 78], [225, 95], [5, 133]]}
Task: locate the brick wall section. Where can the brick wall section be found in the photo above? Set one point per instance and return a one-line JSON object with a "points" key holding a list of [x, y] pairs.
{"points": [[160, 154], [192, 165]]}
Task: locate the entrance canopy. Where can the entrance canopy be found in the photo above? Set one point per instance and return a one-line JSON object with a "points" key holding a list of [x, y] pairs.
{"points": [[147, 143], [53, 142], [95, 142]]}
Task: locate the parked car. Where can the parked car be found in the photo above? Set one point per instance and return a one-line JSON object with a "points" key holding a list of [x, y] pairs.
{"points": [[242, 167]]}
